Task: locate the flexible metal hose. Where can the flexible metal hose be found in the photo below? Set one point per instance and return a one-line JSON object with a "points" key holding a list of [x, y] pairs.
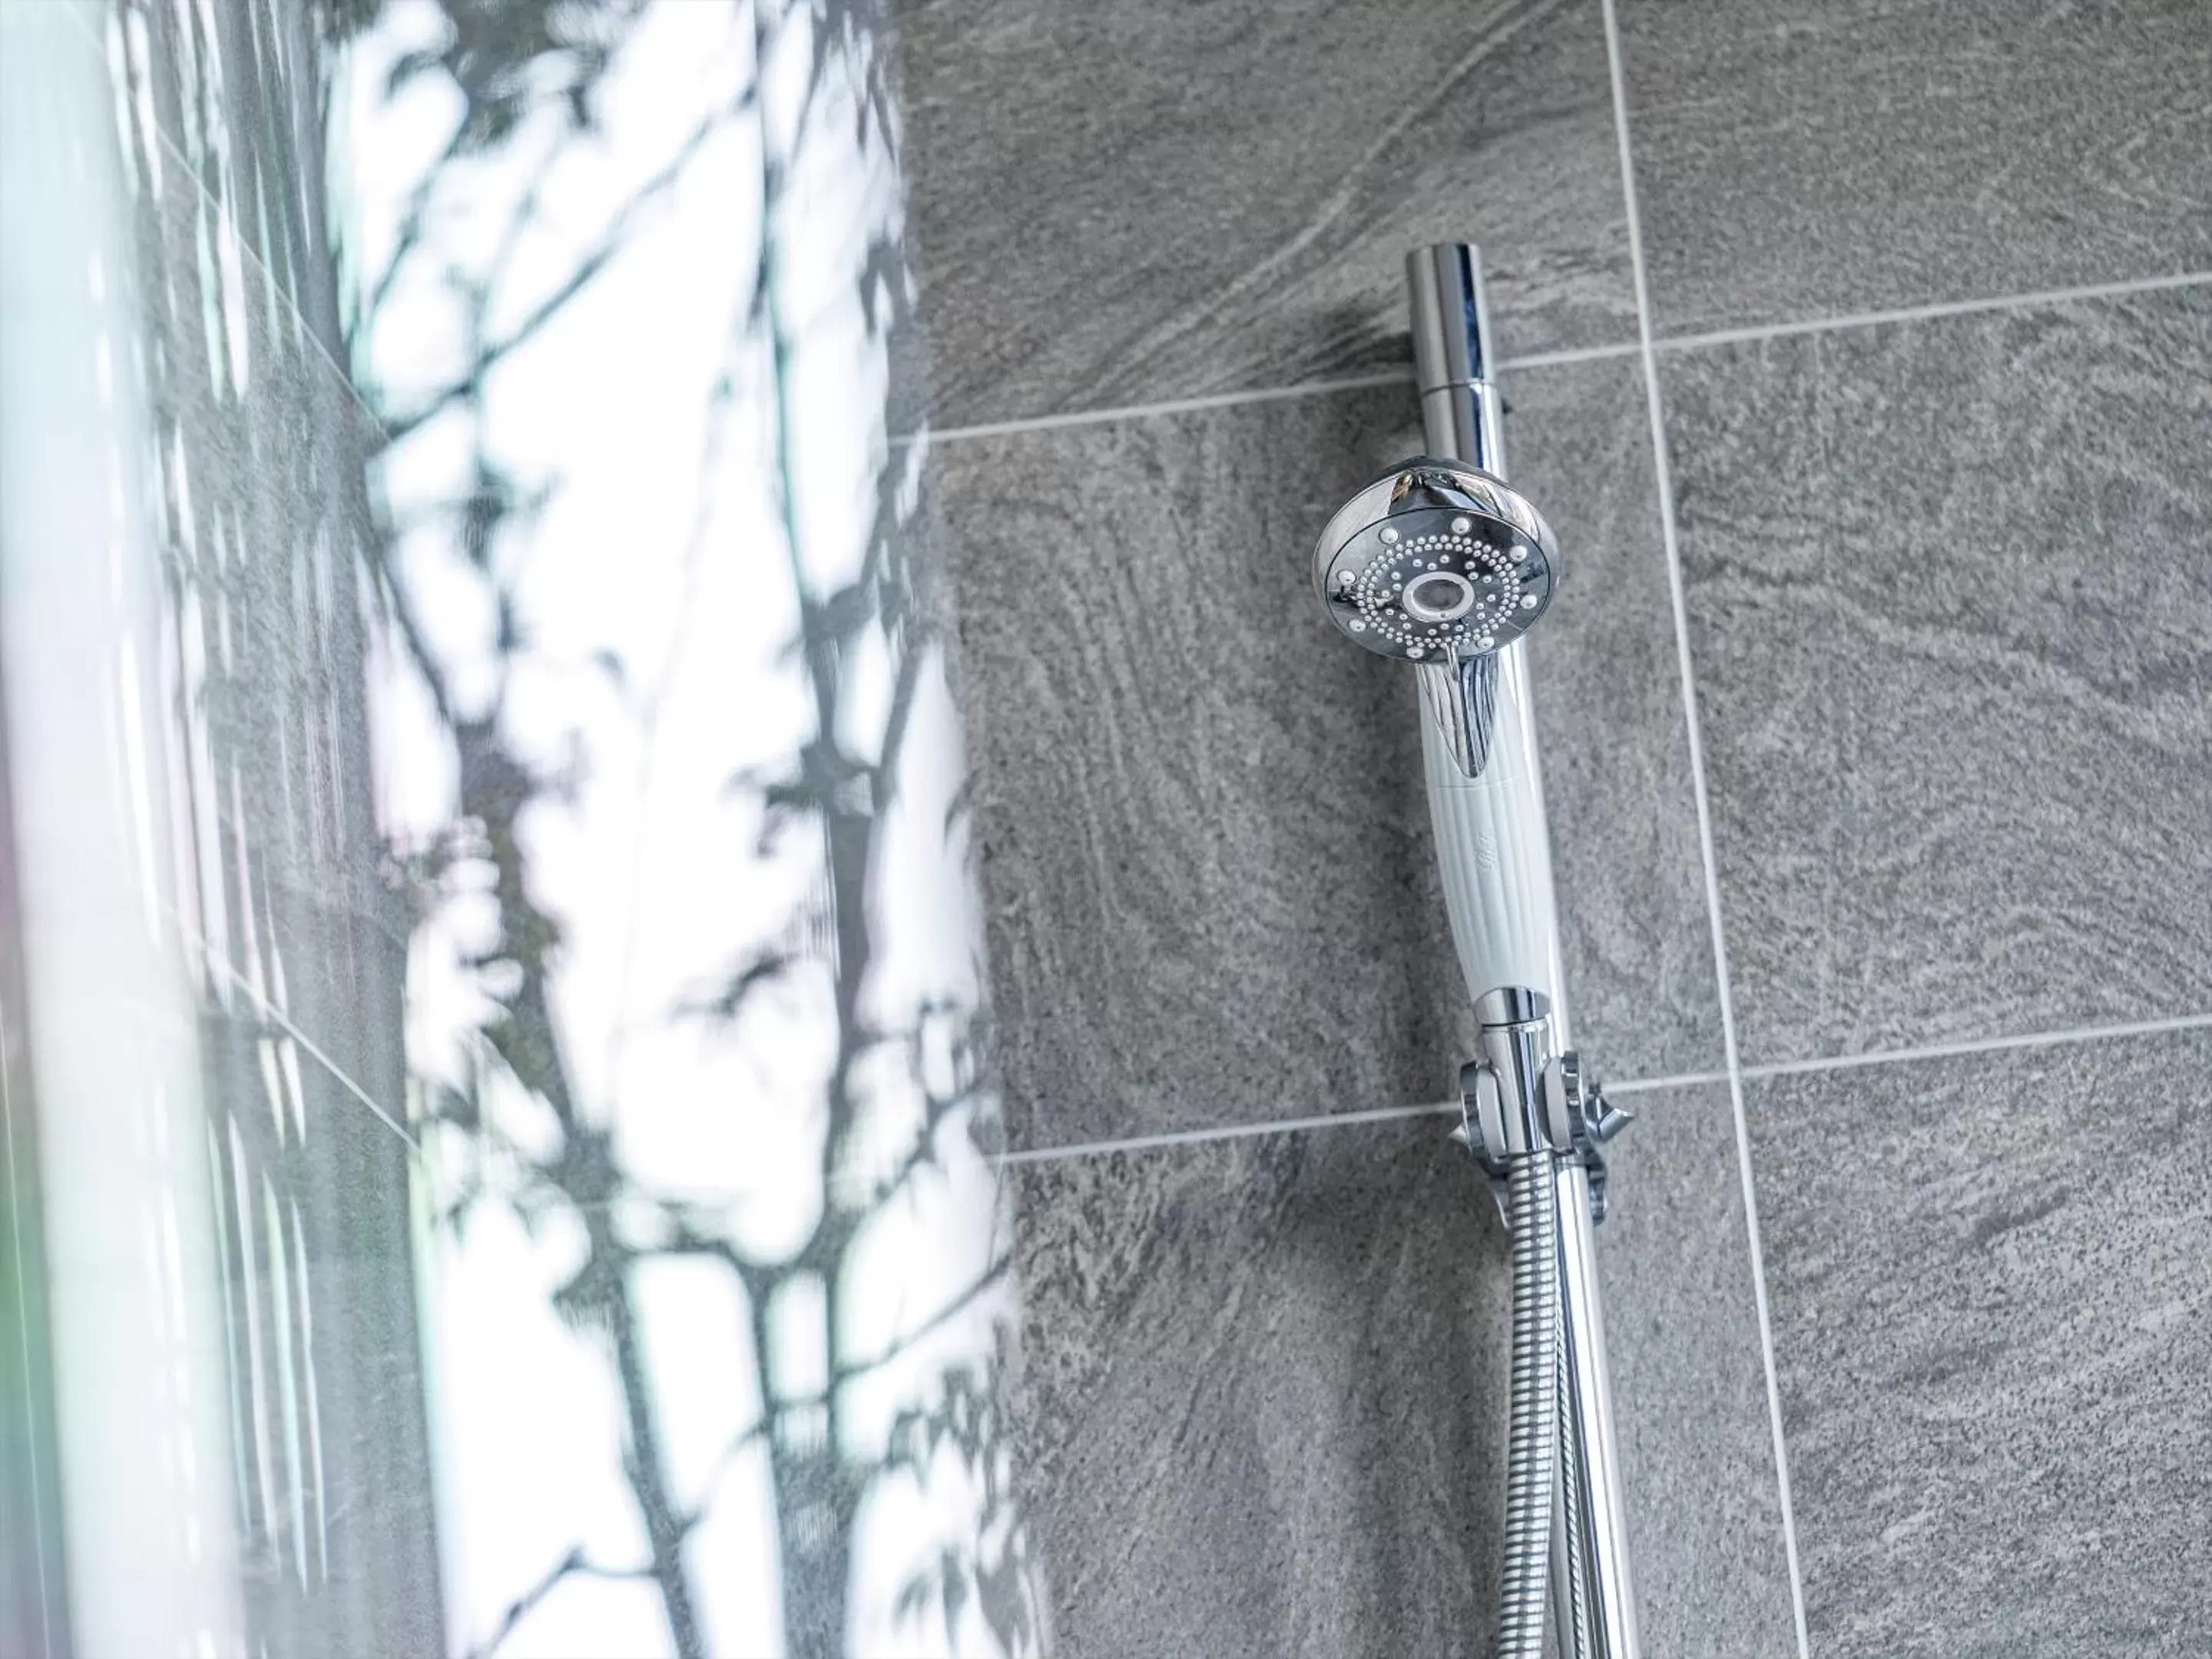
{"points": [[1532, 1446], [1574, 1637]]}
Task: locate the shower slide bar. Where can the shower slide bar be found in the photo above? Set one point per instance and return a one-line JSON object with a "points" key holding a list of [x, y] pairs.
{"points": [[1440, 564]]}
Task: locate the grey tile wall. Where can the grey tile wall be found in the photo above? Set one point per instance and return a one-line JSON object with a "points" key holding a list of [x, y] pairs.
{"points": [[1618, 778], [1945, 596], [1953, 629], [232, 87], [261, 516], [1942, 603], [1179, 766], [1124, 203], [1993, 1320], [1260, 1374], [1264, 1376], [1803, 158], [1689, 1382]]}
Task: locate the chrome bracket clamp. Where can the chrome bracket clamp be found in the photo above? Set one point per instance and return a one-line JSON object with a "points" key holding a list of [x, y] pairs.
{"points": [[1574, 1099], [1475, 1103], [1522, 1097]]}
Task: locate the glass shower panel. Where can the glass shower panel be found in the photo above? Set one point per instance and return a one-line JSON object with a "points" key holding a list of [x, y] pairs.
{"points": [[502, 1131]]}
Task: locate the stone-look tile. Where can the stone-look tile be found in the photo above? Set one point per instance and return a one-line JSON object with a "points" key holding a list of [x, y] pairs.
{"points": [[235, 91], [268, 524], [261, 517], [1633, 916], [258, 519], [261, 448], [1689, 1382], [1950, 618], [1803, 158], [355, 1494], [234, 605], [1266, 1383], [1207, 851], [1266, 1401], [1992, 1303], [1204, 843], [1120, 205]]}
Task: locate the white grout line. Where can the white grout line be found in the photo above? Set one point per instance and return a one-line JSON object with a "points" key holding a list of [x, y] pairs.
{"points": [[1663, 478], [1983, 1046], [277, 1015], [1168, 406], [1644, 1085], [1576, 355], [1645, 343], [1225, 1131], [1318, 1120], [1233, 400], [1640, 1086], [2047, 297]]}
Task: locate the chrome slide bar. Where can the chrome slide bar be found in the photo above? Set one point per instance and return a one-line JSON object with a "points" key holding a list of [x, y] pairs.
{"points": [[1462, 419], [1442, 564]]}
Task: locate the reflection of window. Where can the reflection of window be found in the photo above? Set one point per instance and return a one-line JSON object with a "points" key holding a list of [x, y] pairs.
{"points": [[256, 1014], [664, 748], [540, 855]]}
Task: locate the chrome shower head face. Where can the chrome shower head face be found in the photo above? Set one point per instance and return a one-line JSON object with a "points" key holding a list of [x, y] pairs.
{"points": [[1435, 561]]}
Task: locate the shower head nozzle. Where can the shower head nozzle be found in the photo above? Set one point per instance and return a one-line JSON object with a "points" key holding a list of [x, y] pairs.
{"points": [[1435, 561]]}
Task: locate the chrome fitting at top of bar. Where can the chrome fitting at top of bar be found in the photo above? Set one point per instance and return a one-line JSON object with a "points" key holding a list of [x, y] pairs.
{"points": [[1512, 1004], [1443, 283], [1460, 408]]}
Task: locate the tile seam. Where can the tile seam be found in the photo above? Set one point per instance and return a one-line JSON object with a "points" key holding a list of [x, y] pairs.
{"points": [[1060, 420], [282, 1021], [1664, 486], [1167, 1140], [1064, 420], [2061, 1038], [2009, 1042], [2040, 299]]}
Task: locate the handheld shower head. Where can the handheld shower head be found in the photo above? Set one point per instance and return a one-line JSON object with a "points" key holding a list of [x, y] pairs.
{"points": [[1442, 565], [1436, 562]]}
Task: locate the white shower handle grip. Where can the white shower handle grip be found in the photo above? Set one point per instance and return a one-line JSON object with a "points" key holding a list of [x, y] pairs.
{"points": [[1493, 849]]}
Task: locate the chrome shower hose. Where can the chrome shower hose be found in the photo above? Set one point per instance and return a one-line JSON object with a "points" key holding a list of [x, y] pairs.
{"points": [[1531, 1199]]}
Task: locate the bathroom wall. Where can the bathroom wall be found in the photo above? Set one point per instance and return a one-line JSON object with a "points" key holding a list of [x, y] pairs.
{"points": [[1862, 358]]}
